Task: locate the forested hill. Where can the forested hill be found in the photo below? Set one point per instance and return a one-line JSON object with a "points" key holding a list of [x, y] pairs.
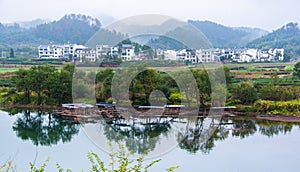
{"points": [[287, 37], [223, 36], [70, 28], [77, 28]]}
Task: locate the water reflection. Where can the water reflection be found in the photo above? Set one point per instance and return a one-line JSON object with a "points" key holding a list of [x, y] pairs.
{"points": [[193, 138], [139, 136], [44, 129], [268, 128], [196, 136], [145, 135]]}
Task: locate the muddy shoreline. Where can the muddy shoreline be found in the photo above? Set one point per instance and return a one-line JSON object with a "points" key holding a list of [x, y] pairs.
{"points": [[227, 114]]}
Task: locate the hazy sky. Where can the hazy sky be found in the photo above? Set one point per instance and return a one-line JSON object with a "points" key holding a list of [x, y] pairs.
{"points": [[266, 14]]}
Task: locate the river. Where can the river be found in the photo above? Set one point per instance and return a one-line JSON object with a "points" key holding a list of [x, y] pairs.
{"points": [[237, 144]]}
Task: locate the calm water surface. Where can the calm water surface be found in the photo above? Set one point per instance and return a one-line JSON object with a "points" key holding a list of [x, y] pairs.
{"points": [[236, 144]]}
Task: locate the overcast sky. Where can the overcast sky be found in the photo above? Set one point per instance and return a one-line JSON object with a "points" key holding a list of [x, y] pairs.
{"points": [[265, 14]]}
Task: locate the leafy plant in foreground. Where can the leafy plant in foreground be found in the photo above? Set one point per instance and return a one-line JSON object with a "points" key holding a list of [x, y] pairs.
{"points": [[123, 163], [119, 162]]}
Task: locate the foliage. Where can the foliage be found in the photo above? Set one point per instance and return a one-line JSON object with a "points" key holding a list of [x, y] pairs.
{"points": [[41, 169], [49, 85], [222, 36], [103, 84], [175, 98], [289, 68], [286, 37], [203, 84], [8, 167], [245, 92], [278, 107], [276, 93], [73, 28], [297, 70], [119, 162], [11, 53]]}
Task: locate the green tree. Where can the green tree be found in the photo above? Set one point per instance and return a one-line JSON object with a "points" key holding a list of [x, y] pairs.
{"points": [[103, 84], [143, 84], [276, 93], [203, 84], [11, 53], [38, 77], [297, 70], [22, 83], [70, 67], [244, 92]]}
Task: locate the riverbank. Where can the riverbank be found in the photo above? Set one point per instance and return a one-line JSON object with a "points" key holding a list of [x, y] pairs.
{"points": [[33, 107], [257, 115], [227, 114]]}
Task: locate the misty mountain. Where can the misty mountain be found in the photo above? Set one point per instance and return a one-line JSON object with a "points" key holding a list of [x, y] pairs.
{"points": [[70, 28], [223, 36], [31, 24], [287, 37], [167, 33], [174, 34]]}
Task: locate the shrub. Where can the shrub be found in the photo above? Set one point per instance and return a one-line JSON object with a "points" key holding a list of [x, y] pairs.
{"points": [[244, 92], [278, 107], [120, 162], [276, 93]]}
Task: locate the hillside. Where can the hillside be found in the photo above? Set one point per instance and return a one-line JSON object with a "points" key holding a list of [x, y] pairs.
{"points": [[287, 37], [70, 28], [223, 36]]}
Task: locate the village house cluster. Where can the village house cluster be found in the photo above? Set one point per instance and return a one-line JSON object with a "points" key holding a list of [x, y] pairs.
{"points": [[127, 52]]}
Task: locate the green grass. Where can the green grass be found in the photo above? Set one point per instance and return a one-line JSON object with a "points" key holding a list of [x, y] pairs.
{"points": [[5, 70]]}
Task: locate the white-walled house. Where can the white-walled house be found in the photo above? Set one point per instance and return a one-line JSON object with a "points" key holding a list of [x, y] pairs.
{"points": [[170, 55], [88, 55], [206, 56], [246, 55], [279, 54], [50, 52], [106, 50], [60, 51], [187, 55], [127, 53]]}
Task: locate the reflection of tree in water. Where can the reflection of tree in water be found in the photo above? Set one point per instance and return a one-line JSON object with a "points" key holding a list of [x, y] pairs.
{"points": [[12, 111], [243, 127], [198, 136], [44, 129], [271, 128], [138, 137]]}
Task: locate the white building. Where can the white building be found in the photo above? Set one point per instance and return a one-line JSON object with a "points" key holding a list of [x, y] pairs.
{"points": [[72, 50], [50, 51], [187, 55], [245, 55], [127, 53], [206, 56], [88, 55], [106, 50], [60, 51], [170, 55], [279, 54]]}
